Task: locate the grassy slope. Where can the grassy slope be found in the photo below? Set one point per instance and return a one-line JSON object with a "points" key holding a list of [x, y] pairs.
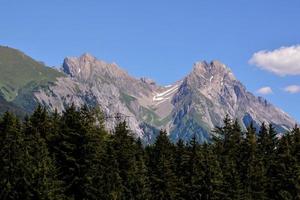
{"points": [[11, 107], [18, 70]]}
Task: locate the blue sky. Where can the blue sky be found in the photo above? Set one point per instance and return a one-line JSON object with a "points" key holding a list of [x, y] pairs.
{"points": [[162, 39]]}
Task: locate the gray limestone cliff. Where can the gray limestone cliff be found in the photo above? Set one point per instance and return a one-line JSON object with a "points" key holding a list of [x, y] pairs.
{"points": [[193, 105]]}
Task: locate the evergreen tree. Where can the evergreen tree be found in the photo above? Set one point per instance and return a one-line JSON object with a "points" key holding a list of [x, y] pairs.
{"points": [[13, 174], [212, 180], [43, 179], [295, 134], [284, 184], [181, 167], [252, 172], [163, 184], [129, 160], [123, 145], [39, 123], [194, 176], [71, 156], [222, 135], [295, 150], [110, 183], [53, 132], [228, 147], [78, 149], [141, 189], [93, 136], [267, 144]]}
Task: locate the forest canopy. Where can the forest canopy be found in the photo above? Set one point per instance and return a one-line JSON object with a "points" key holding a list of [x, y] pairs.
{"points": [[70, 155]]}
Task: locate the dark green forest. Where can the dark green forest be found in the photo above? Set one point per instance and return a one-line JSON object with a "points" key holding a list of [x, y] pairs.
{"points": [[71, 156]]}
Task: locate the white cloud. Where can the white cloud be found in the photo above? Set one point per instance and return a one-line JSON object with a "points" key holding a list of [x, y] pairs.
{"points": [[282, 61], [292, 89], [265, 90]]}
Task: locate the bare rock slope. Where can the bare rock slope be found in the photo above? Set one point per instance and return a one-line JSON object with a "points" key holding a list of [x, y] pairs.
{"points": [[193, 105]]}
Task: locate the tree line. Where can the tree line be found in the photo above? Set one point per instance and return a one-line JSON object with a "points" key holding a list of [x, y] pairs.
{"points": [[71, 156]]}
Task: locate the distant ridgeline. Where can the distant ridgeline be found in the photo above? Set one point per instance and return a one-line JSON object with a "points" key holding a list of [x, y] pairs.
{"points": [[193, 105], [72, 156]]}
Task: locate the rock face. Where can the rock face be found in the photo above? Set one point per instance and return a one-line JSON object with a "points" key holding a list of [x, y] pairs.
{"points": [[210, 92], [193, 105]]}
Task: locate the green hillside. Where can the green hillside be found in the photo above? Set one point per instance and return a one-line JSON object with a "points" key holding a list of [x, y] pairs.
{"points": [[11, 107], [17, 70]]}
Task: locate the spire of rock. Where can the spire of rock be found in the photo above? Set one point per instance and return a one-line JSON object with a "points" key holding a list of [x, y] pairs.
{"points": [[214, 68]]}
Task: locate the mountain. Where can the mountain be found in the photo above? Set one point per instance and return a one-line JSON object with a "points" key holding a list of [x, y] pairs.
{"points": [[210, 92], [20, 76], [193, 105], [19, 70]]}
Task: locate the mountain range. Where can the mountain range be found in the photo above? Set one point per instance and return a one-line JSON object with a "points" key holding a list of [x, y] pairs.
{"points": [[193, 105]]}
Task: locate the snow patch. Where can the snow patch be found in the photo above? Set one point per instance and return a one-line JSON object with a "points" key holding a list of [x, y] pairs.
{"points": [[286, 128], [160, 97]]}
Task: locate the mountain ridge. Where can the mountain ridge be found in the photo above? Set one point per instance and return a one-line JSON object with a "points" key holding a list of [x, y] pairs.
{"points": [[18, 70], [193, 105], [207, 82]]}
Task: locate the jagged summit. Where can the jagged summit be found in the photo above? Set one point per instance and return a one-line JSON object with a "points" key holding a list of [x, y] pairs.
{"points": [[87, 66], [148, 81], [194, 105], [207, 94], [87, 57], [215, 67], [78, 62]]}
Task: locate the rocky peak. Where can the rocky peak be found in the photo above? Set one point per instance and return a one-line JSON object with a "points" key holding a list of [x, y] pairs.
{"points": [[210, 76], [87, 66], [214, 68], [192, 107], [201, 67], [74, 66], [87, 57], [148, 81]]}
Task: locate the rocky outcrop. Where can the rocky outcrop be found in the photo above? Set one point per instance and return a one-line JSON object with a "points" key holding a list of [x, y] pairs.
{"points": [[194, 105], [209, 93]]}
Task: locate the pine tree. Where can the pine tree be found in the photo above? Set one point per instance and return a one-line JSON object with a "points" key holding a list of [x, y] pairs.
{"points": [[252, 172], [232, 186], [123, 145], [295, 133], [221, 135], [78, 149], [53, 132], [141, 186], [163, 184], [203, 174], [212, 180], [47, 155], [110, 183], [129, 158], [44, 183], [39, 123], [181, 166], [94, 135], [295, 151], [194, 174], [13, 173], [287, 180], [228, 147], [267, 144], [284, 184]]}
